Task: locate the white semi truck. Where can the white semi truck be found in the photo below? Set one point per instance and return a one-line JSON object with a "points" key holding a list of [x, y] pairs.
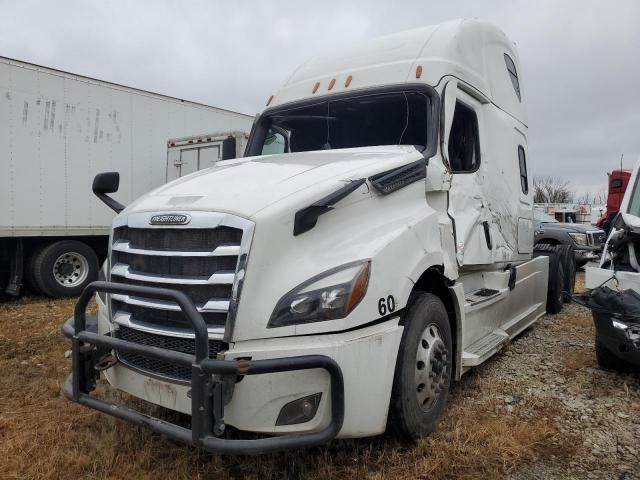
{"points": [[375, 244], [57, 130]]}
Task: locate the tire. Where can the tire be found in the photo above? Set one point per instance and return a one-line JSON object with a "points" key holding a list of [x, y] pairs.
{"points": [[569, 272], [29, 277], [64, 268], [555, 282], [417, 397], [606, 358]]}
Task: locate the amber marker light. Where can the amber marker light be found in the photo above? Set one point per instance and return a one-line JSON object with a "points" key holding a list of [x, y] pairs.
{"points": [[359, 288]]}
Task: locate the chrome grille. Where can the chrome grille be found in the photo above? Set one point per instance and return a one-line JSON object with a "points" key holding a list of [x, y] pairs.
{"points": [[184, 239], [159, 367], [596, 238], [200, 259]]}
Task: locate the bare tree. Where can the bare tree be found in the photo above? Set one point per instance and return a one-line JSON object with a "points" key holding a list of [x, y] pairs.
{"points": [[592, 198], [551, 190]]}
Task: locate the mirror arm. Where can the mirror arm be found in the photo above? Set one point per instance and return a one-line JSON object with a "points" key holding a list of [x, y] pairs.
{"points": [[112, 203]]}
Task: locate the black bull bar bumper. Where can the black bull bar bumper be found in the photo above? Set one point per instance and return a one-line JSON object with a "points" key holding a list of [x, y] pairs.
{"points": [[207, 404]]}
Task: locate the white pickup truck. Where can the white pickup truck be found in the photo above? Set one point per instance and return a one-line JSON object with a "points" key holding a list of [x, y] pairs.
{"points": [[375, 244]]}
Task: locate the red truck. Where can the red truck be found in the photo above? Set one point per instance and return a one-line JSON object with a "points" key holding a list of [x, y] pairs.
{"points": [[618, 181]]}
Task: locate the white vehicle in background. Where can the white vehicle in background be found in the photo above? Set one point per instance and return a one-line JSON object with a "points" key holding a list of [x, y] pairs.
{"points": [[57, 130], [376, 244], [614, 287]]}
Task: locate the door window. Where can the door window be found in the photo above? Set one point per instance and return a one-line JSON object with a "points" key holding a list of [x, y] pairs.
{"points": [[464, 148], [524, 178]]}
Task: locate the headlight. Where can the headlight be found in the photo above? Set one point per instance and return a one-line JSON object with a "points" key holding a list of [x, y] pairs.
{"points": [[579, 238], [328, 296]]}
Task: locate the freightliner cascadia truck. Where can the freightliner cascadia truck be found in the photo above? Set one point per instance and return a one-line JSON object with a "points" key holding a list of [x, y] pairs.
{"points": [[374, 244]]}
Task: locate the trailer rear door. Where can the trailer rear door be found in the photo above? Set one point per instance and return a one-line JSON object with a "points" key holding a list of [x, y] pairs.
{"points": [[185, 159]]}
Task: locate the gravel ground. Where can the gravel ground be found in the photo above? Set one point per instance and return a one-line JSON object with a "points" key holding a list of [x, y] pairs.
{"points": [[540, 409], [599, 410]]}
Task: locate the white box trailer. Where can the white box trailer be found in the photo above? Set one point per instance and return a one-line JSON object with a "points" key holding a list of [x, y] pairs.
{"points": [[57, 131]]}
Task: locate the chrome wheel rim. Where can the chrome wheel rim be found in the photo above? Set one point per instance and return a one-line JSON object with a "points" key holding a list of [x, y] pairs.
{"points": [[431, 369], [70, 269]]}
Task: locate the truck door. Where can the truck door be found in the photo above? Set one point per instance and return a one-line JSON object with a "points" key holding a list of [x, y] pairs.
{"points": [[525, 204], [468, 205], [185, 159]]}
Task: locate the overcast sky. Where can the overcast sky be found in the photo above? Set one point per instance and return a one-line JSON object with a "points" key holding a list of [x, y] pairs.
{"points": [[579, 59]]}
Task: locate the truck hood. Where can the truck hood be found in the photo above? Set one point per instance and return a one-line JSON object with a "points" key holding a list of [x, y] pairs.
{"points": [[571, 227], [245, 186]]}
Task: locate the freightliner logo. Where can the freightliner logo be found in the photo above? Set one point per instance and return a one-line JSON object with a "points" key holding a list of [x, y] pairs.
{"points": [[170, 219]]}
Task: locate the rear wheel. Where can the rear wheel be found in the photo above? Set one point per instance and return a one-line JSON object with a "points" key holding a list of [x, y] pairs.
{"points": [[423, 369], [556, 280], [63, 269], [569, 271]]}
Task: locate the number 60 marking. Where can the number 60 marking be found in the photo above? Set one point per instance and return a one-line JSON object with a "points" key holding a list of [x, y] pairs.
{"points": [[387, 305]]}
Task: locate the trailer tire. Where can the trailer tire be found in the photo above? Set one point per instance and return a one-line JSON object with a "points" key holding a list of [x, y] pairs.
{"points": [[29, 275], [64, 268], [556, 283], [423, 369], [569, 272]]}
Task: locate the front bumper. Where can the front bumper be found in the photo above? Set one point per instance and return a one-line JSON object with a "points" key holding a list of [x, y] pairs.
{"points": [[621, 337], [587, 254], [207, 380]]}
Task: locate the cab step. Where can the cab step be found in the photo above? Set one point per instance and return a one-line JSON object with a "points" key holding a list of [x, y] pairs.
{"points": [[481, 349]]}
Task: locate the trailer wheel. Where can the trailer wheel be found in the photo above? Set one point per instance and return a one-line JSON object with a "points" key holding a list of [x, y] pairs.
{"points": [[423, 369], [569, 272], [63, 269]]}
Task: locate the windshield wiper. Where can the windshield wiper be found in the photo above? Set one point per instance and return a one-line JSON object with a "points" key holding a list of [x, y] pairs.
{"points": [[306, 218]]}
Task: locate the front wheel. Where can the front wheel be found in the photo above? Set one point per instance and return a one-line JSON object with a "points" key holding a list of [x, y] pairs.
{"points": [[423, 369]]}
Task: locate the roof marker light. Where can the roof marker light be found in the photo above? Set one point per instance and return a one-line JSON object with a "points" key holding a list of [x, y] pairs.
{"points": [[315, 87], [418, 71], [331, 83], [347, 82], [270, 100]]}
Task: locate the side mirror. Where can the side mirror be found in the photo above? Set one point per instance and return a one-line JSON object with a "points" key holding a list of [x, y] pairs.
{"points": [[104, 183], [449, 99]]}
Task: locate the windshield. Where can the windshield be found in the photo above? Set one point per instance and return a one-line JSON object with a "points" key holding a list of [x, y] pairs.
{"points": [[634, 201], [543, 217], [363, 120]]}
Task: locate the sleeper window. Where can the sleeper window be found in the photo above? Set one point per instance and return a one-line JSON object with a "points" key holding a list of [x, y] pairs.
{"points": [[524, 178], [464, 149], [513, 74]]}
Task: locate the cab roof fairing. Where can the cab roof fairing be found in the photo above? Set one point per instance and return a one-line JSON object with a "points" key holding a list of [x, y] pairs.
{"points": [[468, 49]]}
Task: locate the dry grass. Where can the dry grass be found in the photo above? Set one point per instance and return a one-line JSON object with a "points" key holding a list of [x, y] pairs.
{"points": [[44, 436], [576, 359]]}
